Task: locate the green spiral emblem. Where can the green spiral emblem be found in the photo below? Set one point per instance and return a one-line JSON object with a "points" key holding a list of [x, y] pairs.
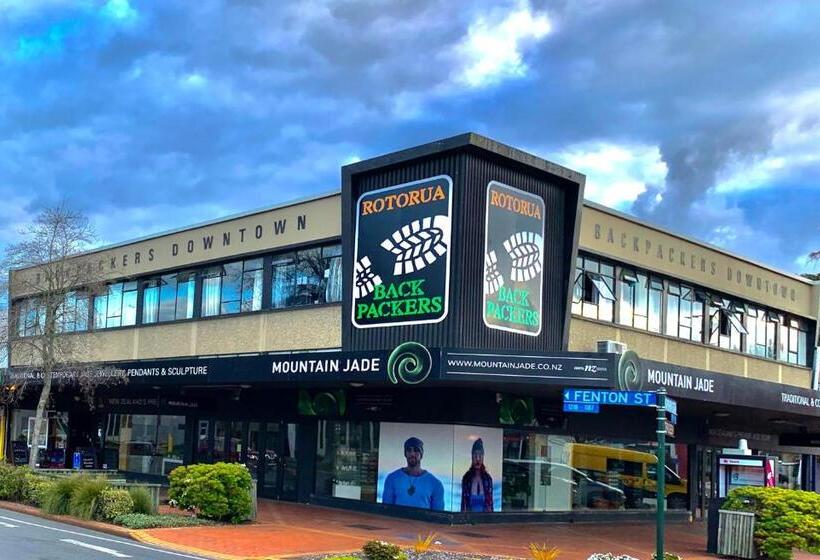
{"points": [[409, 362], [630, 377]]}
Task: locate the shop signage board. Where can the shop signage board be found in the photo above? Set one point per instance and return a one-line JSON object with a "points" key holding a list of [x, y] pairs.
{"points": [[401, 270], [513, 259], [586, 369], [638, 374]]}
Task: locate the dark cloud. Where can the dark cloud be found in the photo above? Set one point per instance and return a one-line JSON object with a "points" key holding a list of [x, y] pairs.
{"points": [[223, 106]]}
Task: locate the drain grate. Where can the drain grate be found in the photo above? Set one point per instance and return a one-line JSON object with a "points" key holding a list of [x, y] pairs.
{"points": [[473, 535], [367, 527]]}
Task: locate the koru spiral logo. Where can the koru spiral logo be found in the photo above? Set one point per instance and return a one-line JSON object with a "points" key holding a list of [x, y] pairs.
{"points": [[630, 375], [410, 363]]}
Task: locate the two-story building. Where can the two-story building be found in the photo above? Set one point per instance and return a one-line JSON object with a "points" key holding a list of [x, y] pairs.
{"points": [[255, 338]]}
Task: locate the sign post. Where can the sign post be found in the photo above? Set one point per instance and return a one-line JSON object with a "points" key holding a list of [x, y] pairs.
{"points": [[590, 400], [661, 475]]}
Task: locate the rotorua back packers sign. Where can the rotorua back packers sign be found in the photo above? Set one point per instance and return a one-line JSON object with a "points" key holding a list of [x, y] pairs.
{"points": [[513, 259], [401, 271]]}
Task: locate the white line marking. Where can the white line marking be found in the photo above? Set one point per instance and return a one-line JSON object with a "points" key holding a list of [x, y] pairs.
{"points": [[9, 525], [86, 535], [110, 551]]}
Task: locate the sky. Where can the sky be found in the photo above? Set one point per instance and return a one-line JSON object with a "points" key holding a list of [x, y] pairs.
{"points": [[701, 116]]}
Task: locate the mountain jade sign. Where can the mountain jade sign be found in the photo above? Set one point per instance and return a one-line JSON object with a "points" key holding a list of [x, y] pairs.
{"points": [[513, 259], [401, 270]]}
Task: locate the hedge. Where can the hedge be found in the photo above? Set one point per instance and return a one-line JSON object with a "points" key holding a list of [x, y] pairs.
{"points": [[220, 491], [784, 519]]}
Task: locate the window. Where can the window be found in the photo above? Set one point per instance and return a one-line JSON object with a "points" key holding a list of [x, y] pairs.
{"points": [[726, 323], [347, 459], [307, 277], [684, 312], [72, 314], [117, 306], [232, 288], [655, 303], [169, 297], [145, 443], [31, 317], [594, 289], [762, 328]]}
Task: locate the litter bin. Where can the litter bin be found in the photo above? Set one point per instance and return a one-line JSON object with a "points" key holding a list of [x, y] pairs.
{"points": [[77, 460]]}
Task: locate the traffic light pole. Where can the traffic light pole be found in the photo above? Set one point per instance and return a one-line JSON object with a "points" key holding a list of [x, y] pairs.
{"points": [[660, 476]]}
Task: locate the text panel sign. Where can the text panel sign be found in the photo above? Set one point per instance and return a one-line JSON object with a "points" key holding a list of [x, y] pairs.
{"points": [[606, 397], [560, 368], [513, 259], [401, 270]]}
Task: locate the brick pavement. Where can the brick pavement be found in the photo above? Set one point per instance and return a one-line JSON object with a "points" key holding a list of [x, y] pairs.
{"points": [[286, 529]]}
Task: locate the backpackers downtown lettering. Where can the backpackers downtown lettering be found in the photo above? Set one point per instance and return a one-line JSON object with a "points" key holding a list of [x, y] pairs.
{"points": [[403, 299]]}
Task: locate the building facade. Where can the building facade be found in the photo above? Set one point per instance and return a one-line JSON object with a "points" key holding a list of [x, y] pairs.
{"points": [[405, 346]]}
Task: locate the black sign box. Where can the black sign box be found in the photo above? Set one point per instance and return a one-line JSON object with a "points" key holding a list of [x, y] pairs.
{"points": [[471, 162]]}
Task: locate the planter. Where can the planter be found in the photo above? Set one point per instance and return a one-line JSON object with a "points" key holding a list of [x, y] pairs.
{"points": [[736, 531]]}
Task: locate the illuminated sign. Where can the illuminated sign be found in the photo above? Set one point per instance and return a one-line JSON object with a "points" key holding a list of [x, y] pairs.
{"points": [[401, 270], [513, 259]]}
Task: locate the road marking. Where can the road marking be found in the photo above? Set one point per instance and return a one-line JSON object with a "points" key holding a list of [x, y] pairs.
{"points": [[110, 551], [9, 525], [87, 536]]}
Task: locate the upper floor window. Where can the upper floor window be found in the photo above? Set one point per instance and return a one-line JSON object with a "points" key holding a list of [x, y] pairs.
{"points": [[232, 288], [726, 323], [594, 290], [31, 317], [117, 307], [307, 277], [169, 297], [684, 312], [73, 313], [793, 340], [762, 327]]}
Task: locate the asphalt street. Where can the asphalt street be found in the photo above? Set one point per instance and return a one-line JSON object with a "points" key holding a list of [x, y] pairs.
{"points": [[23, 537]]}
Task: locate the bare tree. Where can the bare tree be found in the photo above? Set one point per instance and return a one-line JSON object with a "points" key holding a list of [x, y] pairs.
{"points": [[53, 286]]}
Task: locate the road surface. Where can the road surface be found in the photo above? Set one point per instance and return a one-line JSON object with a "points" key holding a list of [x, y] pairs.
{"points": [[24, 537]]}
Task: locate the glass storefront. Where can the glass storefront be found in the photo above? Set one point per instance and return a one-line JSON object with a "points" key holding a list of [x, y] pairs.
{"points": [[511, 470], [347, 459], [51, 445], [144, 443]]}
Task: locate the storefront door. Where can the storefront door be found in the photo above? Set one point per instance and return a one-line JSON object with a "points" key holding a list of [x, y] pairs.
{"points": [[277, 470]]}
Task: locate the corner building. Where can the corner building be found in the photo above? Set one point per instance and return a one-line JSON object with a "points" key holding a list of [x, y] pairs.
{"points": [[435, 312]]}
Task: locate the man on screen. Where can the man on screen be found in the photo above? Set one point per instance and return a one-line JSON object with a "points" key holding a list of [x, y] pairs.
{"points": [[411, 485]]}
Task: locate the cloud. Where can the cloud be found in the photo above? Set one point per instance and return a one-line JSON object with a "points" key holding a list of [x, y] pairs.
{"points": [[492, 50], [616, 174], [133, 109]]}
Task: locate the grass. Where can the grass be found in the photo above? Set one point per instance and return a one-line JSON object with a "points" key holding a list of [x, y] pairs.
{"points": [[86, 497], [541, 552], [423, 544], [142, 501], [57, 499]]}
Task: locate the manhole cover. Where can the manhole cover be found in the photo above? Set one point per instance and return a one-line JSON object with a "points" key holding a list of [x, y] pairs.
{"points": [[368, 527]]}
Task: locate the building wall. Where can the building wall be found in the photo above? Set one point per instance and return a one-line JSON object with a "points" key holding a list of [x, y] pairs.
{"points": [[266, 331], [585, 333]]}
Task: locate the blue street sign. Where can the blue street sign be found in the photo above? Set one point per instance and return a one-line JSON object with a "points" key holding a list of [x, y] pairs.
{"points": [[581, 407], [673, 418], [610, 398], [671, 406]]}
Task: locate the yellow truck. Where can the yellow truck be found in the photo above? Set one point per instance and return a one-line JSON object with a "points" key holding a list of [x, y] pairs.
{"points": [[633, 471]]}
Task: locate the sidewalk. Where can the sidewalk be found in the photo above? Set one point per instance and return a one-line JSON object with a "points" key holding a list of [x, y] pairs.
{"points": [[286, 529]]}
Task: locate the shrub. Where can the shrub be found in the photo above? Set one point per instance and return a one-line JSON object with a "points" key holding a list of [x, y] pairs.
{"points": [[784, 519], [668, 556], [423, 544], [610, 556], [85, 499], [39, 488], [380, 550], [220, 491], [114, 502], [58, 497], [541, 552], [17, 483], [142, 521], [142, 500]]}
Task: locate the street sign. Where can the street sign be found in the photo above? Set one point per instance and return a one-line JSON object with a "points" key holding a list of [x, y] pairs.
{"points": [[581, 407], [610, 398], [670, 428], [671, 406], [673, 418]]}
